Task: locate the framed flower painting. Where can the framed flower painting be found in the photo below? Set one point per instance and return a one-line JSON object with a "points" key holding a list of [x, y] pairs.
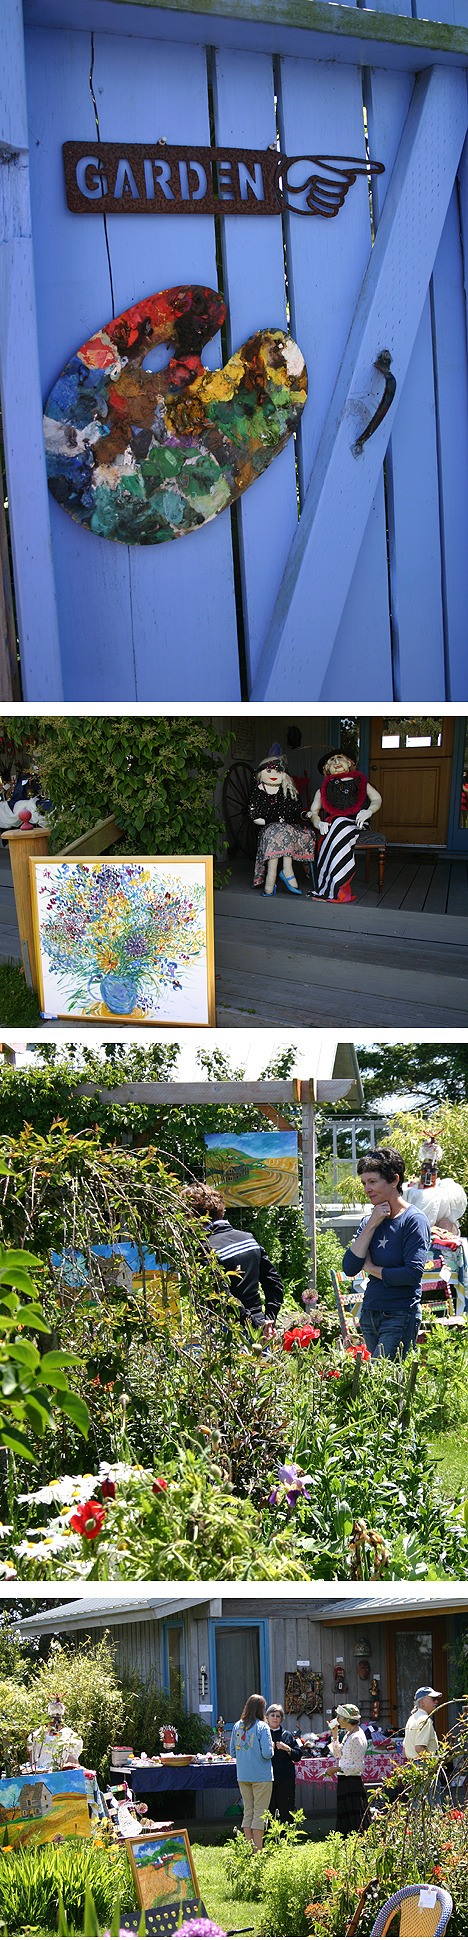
{"points": [[125, 939]]}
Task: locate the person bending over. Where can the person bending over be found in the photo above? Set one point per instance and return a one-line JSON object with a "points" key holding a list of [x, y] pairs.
{"points": [[391, 1245], [244, 1261]]}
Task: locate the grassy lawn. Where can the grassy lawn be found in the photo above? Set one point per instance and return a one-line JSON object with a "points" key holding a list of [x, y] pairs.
{"points": [[18, 1004], [450, 1451], [235, 1916]]}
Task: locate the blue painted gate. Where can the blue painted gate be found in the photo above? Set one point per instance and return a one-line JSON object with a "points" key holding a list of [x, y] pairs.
{"points": [[337, 576]]}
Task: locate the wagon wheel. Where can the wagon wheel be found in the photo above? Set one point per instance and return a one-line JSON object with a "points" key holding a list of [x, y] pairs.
{"points": [[237, 791]]}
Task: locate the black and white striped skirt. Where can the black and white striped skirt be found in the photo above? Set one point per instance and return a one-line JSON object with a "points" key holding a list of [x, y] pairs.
{"points": [[336, 856]]}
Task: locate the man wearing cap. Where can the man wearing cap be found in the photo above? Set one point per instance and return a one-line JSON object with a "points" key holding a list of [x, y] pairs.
{"points": [[420, 1735]]}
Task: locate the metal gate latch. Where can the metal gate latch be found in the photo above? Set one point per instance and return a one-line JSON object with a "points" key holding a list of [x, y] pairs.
{"points": [[382, 363]]}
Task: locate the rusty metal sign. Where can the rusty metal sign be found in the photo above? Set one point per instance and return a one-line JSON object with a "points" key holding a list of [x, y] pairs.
{"points": [[111, 178]]}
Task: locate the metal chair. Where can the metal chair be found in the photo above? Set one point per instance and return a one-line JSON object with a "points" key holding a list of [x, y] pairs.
{"points": [[414, 1918]]}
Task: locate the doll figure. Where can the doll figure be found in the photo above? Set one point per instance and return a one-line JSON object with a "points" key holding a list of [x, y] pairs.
{"points": [[283, 836], [340, 809]]}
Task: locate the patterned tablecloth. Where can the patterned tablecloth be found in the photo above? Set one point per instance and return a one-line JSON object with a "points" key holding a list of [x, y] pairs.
{"points": [[323, 1771]]}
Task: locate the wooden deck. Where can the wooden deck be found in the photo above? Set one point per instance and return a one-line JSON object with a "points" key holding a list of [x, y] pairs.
{"points": [[398, 959]]}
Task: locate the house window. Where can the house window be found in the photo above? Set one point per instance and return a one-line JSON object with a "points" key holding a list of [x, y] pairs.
{"points": [[237, 1668], [175, 1665], [421, 731], [414, 1667]]}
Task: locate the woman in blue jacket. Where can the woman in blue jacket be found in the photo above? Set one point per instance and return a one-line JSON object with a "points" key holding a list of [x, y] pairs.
{"points": [[252, 1748]]}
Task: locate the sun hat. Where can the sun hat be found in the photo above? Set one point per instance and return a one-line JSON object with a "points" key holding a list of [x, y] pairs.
{"points": [[349, 1712], [329, 756]]}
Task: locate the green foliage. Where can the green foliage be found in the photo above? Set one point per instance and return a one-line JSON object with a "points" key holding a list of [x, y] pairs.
{"points": [[32, 1384], [158, 775], [191, 1526], [19, 1006], [33, 1882], [329, 1254], [16, 1661], [435, 1073], [146, 1708], [246, 1870], [293, 1878], [86, 1678]]}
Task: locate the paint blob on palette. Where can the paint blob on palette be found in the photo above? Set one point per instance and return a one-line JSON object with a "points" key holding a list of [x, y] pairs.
{"points": [[142, 456]]}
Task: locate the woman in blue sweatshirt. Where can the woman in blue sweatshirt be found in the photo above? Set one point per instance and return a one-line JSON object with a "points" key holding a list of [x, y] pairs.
{"points": [[252, 1748], [392, 1247]]}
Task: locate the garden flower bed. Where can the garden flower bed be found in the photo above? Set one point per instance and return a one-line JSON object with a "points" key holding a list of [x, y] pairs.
{"points": [[257, 1461]]}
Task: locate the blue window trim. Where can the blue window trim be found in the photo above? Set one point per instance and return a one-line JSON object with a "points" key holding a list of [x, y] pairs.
{"points": [[238, 1623], [173, 1623]]}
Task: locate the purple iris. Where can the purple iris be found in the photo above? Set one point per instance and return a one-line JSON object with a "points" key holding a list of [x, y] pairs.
{"points": [[294, 1484]]}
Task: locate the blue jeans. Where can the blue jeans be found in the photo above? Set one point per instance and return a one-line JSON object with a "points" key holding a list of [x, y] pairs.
{"points": [[386, 1329]]}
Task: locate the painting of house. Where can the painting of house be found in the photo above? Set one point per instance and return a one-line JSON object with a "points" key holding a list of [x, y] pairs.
{"points": [[36, 1809]]}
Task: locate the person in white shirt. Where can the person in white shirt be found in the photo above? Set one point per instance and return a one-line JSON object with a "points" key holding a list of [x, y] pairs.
{"points": [[420, 1735], [352, 1804]]}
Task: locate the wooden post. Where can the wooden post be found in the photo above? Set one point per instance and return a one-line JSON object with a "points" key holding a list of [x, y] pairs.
{"points": [[308, 1166], [23, 843]]}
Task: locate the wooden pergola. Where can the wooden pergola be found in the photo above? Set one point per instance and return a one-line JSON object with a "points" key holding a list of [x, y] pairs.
{"points": [[267, 1093]]}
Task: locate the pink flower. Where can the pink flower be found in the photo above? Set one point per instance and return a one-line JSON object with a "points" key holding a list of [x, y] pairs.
{"points": [[200, 1927]]}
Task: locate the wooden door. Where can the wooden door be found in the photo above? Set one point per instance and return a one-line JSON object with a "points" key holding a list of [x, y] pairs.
{"points": [[411, 765], [416, 1655]]}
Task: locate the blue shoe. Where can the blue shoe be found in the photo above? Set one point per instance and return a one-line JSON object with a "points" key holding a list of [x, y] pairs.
{"points": [[269, 893], [292, 886]]}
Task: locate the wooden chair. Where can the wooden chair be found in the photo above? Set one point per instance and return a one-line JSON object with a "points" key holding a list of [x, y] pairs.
{"points": [[369, 840], [414, 1918]]}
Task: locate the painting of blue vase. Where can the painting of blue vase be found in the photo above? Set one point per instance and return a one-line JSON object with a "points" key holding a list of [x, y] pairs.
{"points": [[123, 937]]}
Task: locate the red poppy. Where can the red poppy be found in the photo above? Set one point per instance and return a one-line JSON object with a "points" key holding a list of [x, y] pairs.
{"points": [[304, 1335], [88, 1520], [363, 1351], [108, 1491], [159, 1486]]}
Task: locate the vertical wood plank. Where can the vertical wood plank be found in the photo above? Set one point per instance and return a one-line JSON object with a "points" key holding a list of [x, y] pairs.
{"points": [[255, 290], [73, 299], [326, 262], [392, 299], [182, 593], [20, 383], [412, 469]]}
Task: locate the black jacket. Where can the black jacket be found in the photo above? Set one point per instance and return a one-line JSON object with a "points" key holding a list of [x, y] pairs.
{"points": [[237, 1249], [283, 1761], [276, 808]]}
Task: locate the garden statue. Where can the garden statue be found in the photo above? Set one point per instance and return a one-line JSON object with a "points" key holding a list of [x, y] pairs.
{"points": [[444, 1202], [276, 810], [54, 1746], [340, 809], [220, 1744], [169, 1737]]}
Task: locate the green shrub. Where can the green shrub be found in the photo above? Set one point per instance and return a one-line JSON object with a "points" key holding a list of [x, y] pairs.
{"points": [[157, 775], [32, 1880], [292, 1878], [85, 1678], [146, 1708], [329, 1254]]}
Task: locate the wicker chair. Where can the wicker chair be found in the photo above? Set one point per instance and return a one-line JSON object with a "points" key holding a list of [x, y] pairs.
{"points": [[415, 1919]]}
